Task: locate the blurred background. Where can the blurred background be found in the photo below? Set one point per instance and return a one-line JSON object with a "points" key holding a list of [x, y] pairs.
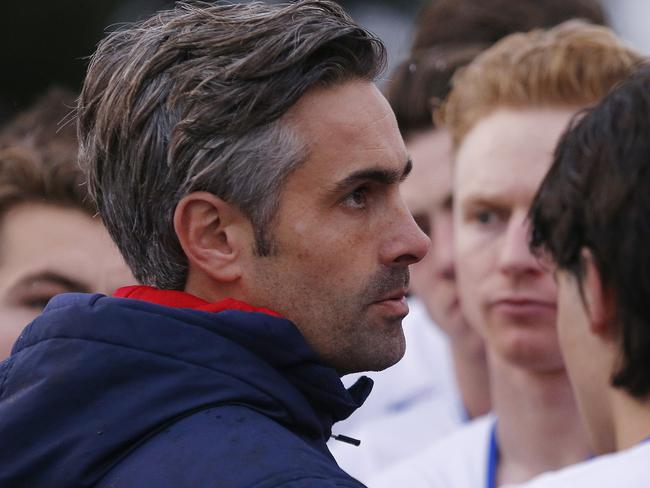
{"points": [[48, 42]]}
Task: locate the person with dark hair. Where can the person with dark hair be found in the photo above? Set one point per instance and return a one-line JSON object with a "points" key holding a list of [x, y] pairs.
{"points": [[589, 222], [505, 114], [51, 240], [248, 169], [461, 22]]}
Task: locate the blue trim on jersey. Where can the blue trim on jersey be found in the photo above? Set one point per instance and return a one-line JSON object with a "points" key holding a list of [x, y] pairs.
{"points": [[493, 459]]}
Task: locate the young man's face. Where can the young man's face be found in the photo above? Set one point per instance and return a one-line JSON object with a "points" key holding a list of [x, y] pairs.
{"points": [[590, 350], [343, 235], [505, 292], [47, 250], [428, 195]]}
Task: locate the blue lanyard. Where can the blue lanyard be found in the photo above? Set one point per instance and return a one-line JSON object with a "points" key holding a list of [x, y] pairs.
{"points": [[493, 459]]}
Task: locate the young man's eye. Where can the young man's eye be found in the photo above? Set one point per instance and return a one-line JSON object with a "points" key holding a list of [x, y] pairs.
{"points": [[485, 217]]}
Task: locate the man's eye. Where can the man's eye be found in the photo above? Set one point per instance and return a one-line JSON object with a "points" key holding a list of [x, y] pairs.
{"points": [[357, 199]]}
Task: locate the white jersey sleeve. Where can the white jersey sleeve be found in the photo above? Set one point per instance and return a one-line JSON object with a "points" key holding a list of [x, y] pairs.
{"points": [[458, 460], [625, 469]]}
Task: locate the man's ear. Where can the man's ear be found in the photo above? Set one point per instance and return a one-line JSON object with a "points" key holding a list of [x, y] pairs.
{"points": [[211, 233], [600, 301]]}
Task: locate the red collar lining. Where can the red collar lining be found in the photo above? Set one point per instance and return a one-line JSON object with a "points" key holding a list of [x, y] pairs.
{"points": [[180, 299]]}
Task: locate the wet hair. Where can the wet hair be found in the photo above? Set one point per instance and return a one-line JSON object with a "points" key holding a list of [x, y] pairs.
{"points": [[192, 99], [597, 196]]}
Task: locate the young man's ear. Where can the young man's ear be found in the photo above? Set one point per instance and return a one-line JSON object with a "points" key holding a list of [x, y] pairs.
{"points": [[212, 235], [600, 302]]}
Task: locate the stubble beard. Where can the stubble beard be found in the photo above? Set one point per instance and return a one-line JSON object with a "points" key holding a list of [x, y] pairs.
{"points": [[367, 341]]}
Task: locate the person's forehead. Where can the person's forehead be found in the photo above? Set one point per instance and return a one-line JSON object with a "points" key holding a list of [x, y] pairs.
{"points": [[507, 153], [430, 181], [68, 242], [347, 126]]}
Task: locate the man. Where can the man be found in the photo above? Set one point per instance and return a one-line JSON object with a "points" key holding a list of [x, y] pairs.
{"points": [[589, 219], [506, 112], [249, 171]]}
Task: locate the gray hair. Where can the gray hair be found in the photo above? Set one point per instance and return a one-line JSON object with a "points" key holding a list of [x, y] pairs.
{"points": [[192, 100]]}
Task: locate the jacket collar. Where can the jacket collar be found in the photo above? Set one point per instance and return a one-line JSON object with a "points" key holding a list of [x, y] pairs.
{"points": [[181, 299]]}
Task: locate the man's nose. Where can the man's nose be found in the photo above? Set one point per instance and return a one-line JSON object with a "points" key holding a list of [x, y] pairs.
{"points": [[406, 243]]}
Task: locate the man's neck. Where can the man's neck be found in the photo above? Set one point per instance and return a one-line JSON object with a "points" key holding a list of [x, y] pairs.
{"points": [[472, 377], [538, 425]]}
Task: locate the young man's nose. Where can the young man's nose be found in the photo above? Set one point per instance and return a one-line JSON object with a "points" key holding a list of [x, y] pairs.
{"points": [[515, 257]]}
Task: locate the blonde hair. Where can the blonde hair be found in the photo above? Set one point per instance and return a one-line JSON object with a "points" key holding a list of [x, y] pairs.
{"points": [[572, 64]]}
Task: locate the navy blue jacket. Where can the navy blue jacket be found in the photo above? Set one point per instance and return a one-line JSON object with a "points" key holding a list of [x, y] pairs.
{"points": [[113, 392]]}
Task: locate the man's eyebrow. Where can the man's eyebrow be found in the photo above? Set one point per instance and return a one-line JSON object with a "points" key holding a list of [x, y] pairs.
{"points": [[55, 278], [378, 175]]}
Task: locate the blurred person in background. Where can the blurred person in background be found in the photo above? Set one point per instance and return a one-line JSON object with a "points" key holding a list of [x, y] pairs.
{"points": [[505, 114], [51, 240], [442, 381], [488, 21], [589, 222]]}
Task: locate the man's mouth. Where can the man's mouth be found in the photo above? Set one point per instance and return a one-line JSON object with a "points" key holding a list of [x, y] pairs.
{"points": [[394, 302]]}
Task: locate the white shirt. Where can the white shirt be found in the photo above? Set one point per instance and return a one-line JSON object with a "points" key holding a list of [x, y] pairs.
{"points": [[389, 439], [458, 460], [625, 469]]}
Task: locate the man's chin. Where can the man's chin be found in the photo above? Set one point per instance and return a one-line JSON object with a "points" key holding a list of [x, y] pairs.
{"points": [[382, 356]]}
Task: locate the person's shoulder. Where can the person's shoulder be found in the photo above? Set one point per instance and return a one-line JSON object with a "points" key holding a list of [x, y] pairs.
{"points": [[627, 469], [458, 459], [226, 446], [387, 440]]}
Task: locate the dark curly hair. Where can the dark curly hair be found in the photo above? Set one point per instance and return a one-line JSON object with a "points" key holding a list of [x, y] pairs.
{"points": [[597, 196]]}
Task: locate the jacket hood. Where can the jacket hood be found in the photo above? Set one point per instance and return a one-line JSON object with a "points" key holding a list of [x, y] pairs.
{"points": [[93, 376]]}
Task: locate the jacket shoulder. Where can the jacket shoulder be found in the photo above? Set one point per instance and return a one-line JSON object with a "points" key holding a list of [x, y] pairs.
{"points": [[227, 446]]}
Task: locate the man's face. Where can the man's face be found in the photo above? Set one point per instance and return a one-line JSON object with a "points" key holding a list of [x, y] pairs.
{"points": [[428, 195], [505, 291], [47, 250], [343, 236]]}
